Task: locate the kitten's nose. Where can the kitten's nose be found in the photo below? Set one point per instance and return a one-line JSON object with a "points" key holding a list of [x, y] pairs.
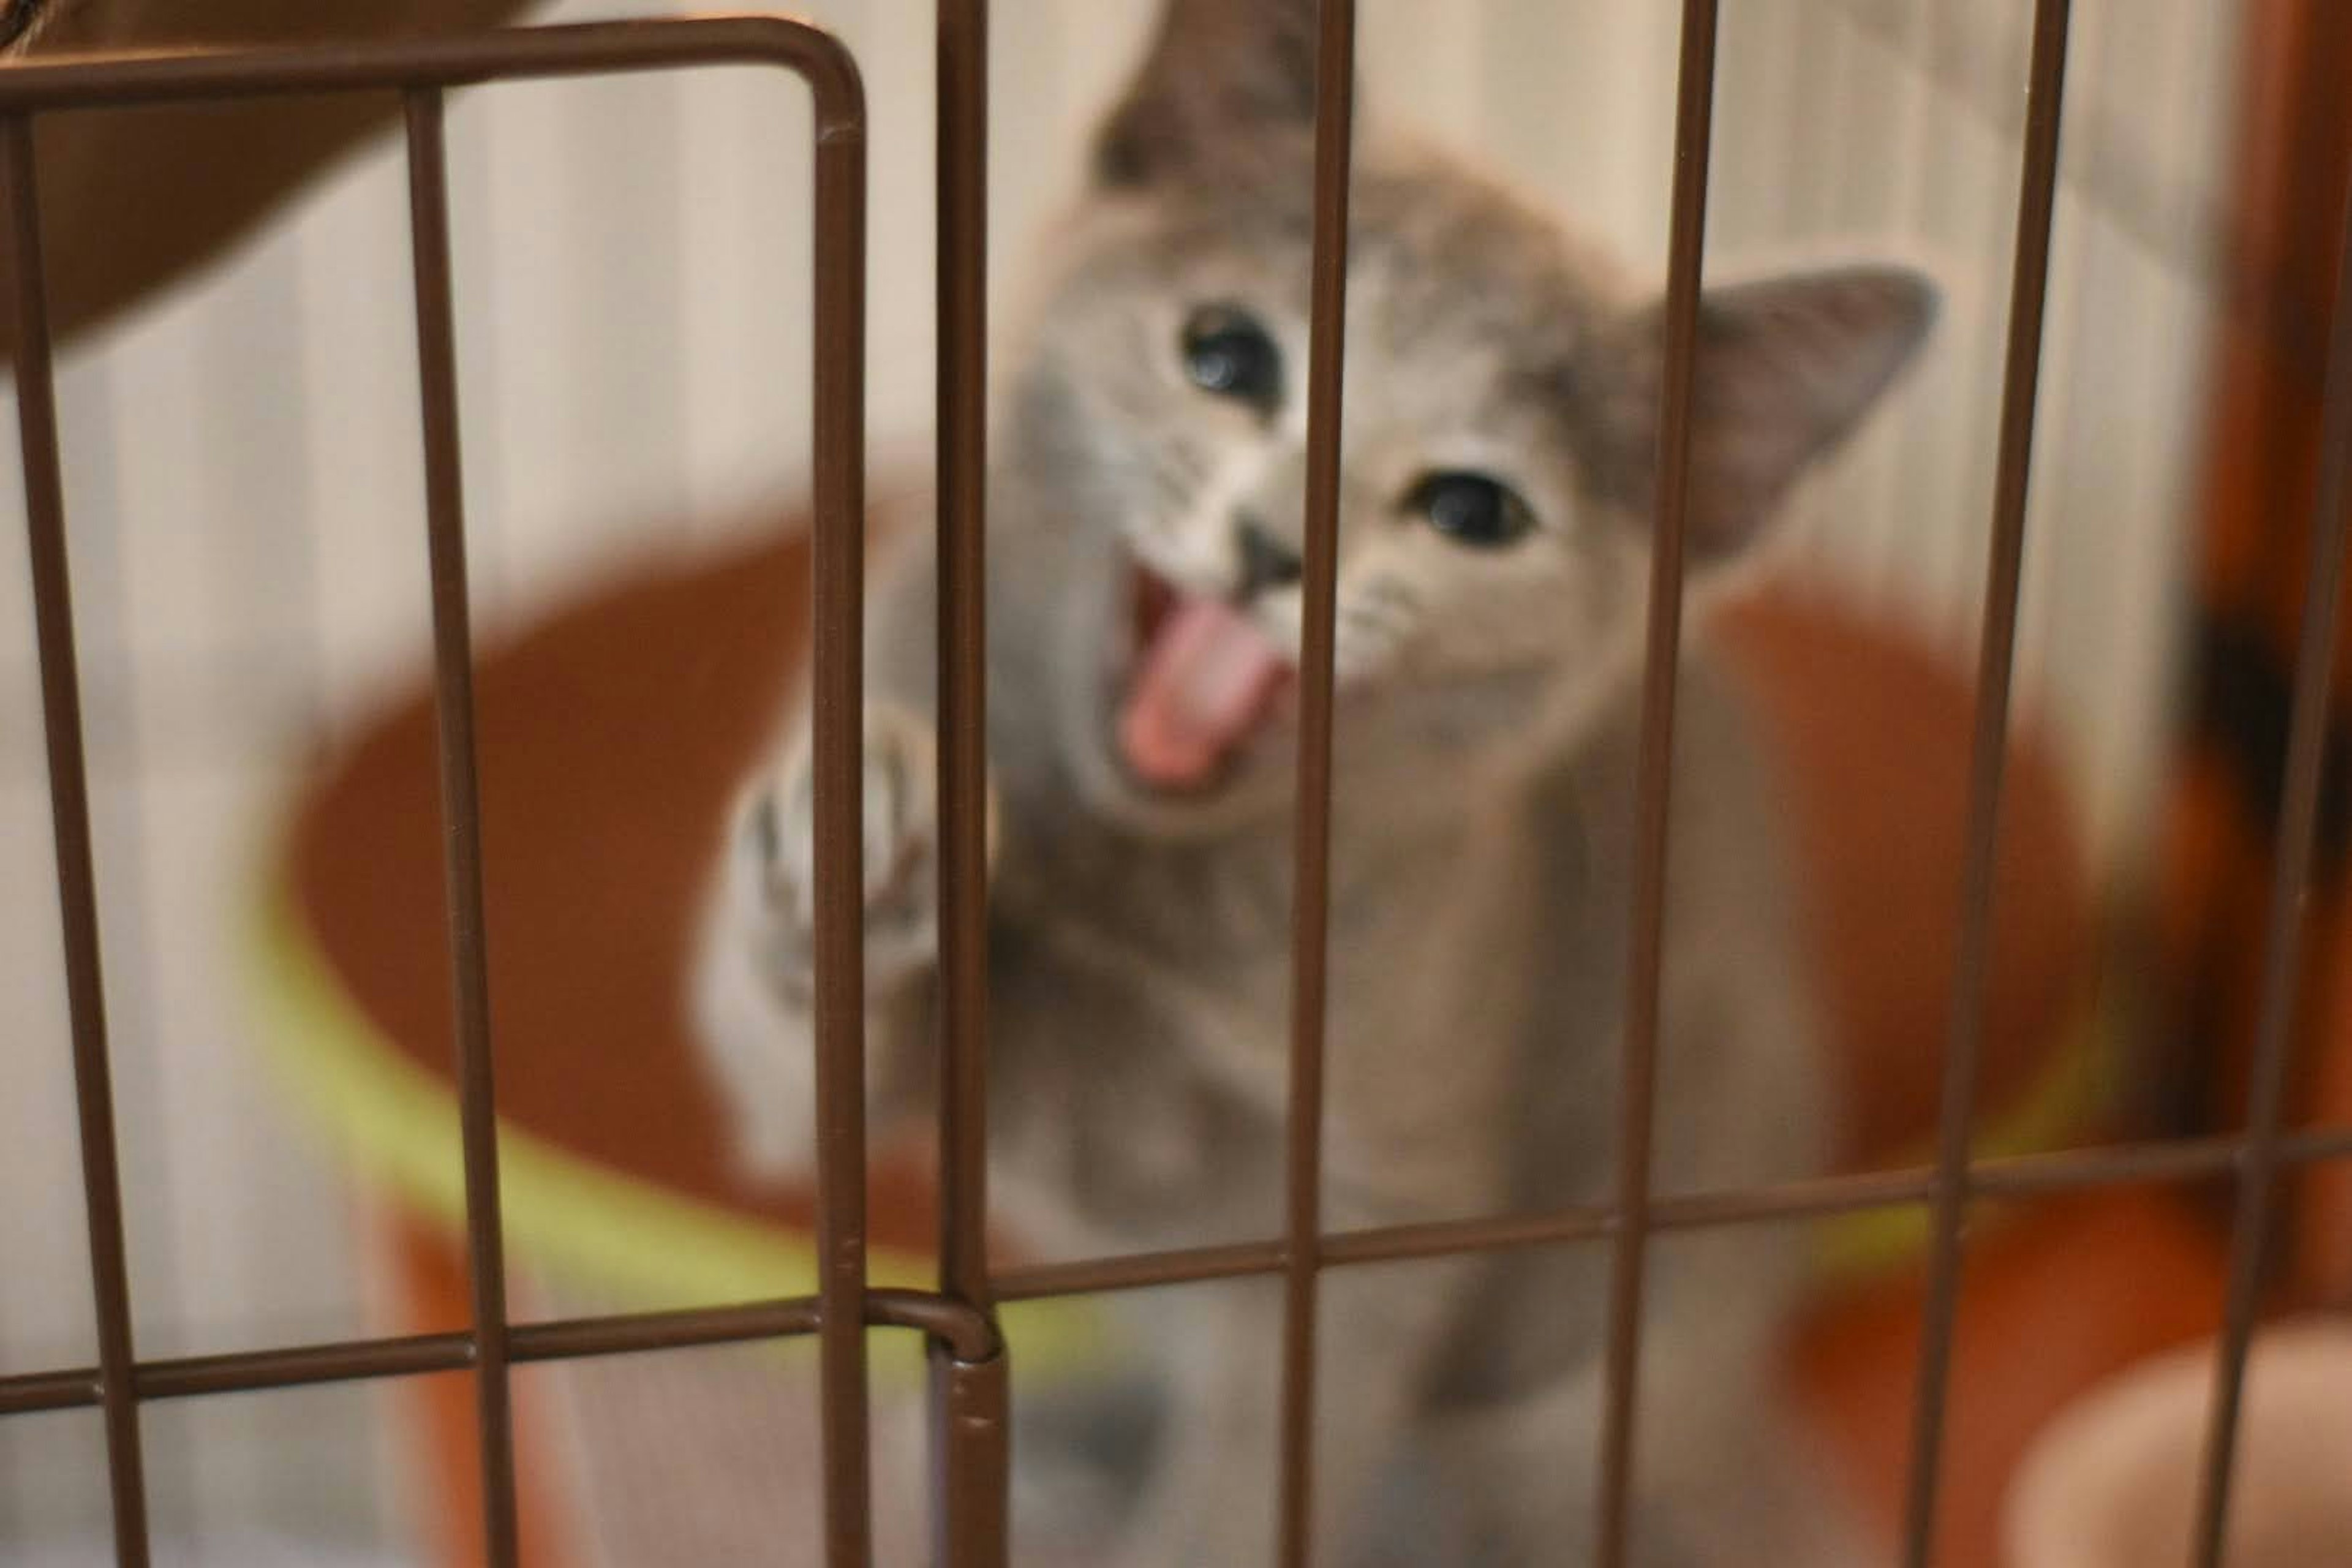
{"points": [[1267, 562]]}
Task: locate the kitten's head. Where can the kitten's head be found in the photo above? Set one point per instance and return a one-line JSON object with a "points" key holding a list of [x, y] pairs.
{"points": [[1500, 422]]}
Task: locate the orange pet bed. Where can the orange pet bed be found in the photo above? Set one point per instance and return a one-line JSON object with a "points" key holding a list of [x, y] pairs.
{"points": [[610, 733]]}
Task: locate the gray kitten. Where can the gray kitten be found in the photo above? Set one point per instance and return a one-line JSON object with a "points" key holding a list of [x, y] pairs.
{"points": [[1146, 505]]}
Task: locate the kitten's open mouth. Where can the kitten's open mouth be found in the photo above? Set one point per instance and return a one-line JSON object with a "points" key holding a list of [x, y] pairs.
{"points": [[1204, 681]]}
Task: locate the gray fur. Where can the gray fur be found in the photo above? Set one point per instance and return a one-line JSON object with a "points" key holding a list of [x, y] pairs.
{"points": [[1487, 729]]}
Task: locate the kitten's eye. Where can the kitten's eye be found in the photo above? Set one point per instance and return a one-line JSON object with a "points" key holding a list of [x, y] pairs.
{"points": [[1471, 507], [1227, 352]]}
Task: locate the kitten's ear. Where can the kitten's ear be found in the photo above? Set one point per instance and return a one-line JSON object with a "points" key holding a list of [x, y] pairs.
{"points": [[1221, 76], [1786, 370]]}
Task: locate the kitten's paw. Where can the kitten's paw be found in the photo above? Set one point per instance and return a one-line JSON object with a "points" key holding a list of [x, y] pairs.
{"points": [[754, 981], [775, 835], [754, 964]]}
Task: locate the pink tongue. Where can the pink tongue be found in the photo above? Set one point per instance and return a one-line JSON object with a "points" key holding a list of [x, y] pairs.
{"points": [[1196, 694]]}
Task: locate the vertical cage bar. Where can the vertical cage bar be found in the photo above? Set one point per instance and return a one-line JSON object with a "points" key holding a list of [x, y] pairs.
{"points": [[2290, 888], [969, 1433], [1637, 1109], [1335, 78], [971, 1445], [45, 516], [1997, 650], [461, 810], [837, 724], [962, 638]]}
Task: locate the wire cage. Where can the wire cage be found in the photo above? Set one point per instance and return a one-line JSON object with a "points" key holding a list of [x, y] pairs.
{"points": [[955, 1318]]}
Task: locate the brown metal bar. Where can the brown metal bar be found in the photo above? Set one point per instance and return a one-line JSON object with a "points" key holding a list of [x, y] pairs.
{"points": [[2014, 1177], [1335, 78], [967, 1334], [1637, 1091], [395, 65], [963, 1331], [2021, 386], [972, 1445], [962, 718], [45, 520], [2284, 922], [247, 1372], [837, 726], [306, 1366], [1834, 1195], [2176, 1159], [627, 1334], [971, 1429], [30, 1394], [1140, 1270], [461, 812], [2020, 1175], [632, 1333]]}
